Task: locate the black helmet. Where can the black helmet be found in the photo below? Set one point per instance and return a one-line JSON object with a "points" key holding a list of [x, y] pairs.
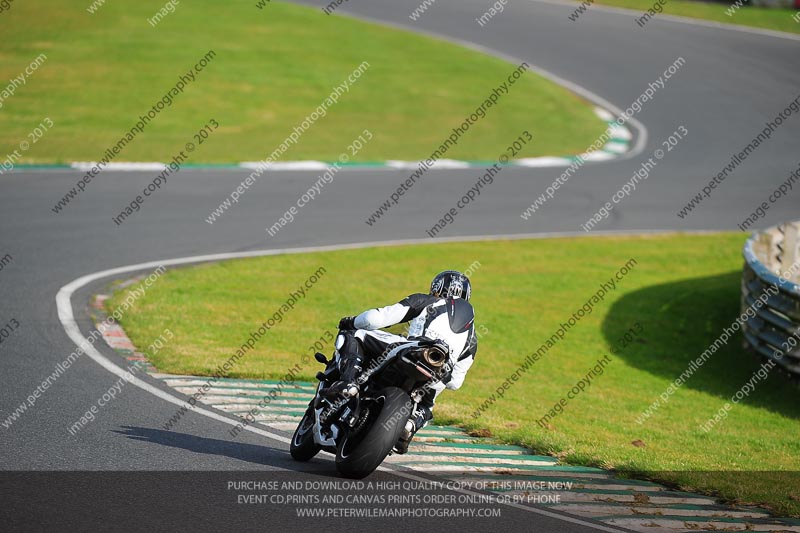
{"points": [[451, 284]]}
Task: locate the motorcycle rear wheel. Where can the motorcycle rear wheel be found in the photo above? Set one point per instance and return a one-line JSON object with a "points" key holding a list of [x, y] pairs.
{"points": [[357, 456]]}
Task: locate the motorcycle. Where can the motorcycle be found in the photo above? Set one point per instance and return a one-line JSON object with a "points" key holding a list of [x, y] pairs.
{"points": [[361, 430]]}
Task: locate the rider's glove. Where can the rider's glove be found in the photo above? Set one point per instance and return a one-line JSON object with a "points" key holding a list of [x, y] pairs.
{"points": [[447, 373], [347, 323]]}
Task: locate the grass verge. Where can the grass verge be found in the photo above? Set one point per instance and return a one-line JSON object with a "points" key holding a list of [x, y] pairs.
{"points": [[682, 289], [273, 67]]}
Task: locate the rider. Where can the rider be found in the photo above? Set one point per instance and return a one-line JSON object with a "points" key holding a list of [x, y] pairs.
{"points": [[445, 314]]}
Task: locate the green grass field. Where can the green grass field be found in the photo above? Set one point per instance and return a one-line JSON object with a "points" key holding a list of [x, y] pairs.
{"points": [[272, 69], [683, 290], [757, 17]]}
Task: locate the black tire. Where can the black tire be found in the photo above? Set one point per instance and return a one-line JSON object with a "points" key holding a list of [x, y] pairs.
{"points": [[360, 459], [303, 447]]}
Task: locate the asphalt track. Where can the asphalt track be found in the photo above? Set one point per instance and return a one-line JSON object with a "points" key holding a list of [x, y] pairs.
{"points": [[732, 83]]}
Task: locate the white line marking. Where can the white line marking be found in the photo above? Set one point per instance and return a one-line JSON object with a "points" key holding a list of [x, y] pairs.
{"points": [[543, 162], [449, 163], [618, 132], [617, 148], [597, 156], [132, 166], [287, 165]]}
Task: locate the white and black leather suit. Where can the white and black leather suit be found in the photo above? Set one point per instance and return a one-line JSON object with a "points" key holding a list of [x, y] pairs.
{"points": [[450, 319]]}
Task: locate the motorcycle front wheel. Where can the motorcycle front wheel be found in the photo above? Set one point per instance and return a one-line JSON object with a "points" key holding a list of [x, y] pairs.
{"points": [[303, 447]]}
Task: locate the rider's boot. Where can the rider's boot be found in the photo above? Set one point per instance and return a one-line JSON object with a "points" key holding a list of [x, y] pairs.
{"points": [[414, 424], [351, 356]]}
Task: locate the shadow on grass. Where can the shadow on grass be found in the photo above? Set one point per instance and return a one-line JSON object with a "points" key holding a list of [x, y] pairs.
{"points": [[681, 319]]}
